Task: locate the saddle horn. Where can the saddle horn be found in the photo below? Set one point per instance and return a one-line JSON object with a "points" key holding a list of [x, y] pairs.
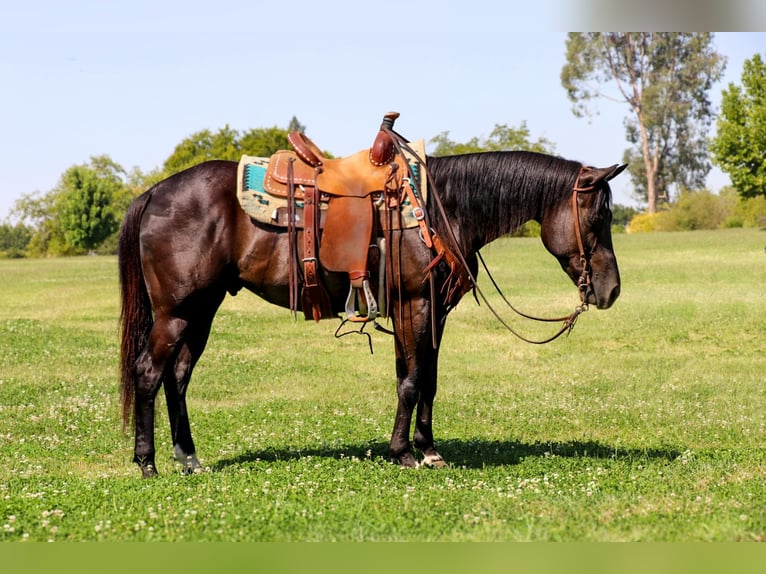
{"points": [[383, 150]]}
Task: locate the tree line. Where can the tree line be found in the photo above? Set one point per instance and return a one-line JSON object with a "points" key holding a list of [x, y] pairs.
{"points": [[663, 78]]}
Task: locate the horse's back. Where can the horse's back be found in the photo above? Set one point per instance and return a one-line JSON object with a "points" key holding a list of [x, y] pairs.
{"points": [[190, 193]]}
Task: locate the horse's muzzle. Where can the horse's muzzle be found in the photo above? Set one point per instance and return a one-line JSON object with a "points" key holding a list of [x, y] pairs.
{"points": [[604, 297]]}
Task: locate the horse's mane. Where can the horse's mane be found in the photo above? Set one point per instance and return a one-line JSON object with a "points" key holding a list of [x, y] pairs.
{"points": [[492, 193]]}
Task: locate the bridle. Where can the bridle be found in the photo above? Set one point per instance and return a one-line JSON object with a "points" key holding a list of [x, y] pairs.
{"points": [[583, 283]]}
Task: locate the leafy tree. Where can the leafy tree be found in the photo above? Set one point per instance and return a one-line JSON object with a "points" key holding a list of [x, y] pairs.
{"points": [[14, 239], [86, 206], [665, 79], [262, 142], [501, 138], [202, 146], [739, 147], [39, 211], [226, 143]]}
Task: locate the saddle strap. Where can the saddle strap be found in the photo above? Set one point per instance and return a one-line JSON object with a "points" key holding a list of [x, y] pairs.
{"points": [[315, 301], [418, 212], [291, 239]]}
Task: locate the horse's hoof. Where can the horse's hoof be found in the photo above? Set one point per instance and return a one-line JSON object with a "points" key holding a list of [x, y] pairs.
{"points": [[190, 463], [190, 469], [433, 461], [407, 460], [148, 471]]}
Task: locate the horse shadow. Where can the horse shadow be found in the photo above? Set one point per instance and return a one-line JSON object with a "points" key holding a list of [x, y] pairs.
{"points": [[465, 453]]}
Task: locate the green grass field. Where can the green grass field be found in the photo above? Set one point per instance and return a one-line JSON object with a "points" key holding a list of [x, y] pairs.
{"points": [[648, 423]]}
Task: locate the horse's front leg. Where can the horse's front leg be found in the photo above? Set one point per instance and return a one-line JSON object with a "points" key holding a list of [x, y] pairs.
{"points": [[424, 436]]}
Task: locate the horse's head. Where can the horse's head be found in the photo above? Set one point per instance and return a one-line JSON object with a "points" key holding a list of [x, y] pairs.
{"points": [[577, 231]]}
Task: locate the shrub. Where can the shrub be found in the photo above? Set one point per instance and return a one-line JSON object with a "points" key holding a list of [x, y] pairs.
{"points": [[529, 229], [747, 212], [699, 210], [646, 222], [704, 210]]}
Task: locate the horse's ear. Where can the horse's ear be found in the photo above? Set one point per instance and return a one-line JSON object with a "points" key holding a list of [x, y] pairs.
{"points": [[615, 171], [592, 175]]}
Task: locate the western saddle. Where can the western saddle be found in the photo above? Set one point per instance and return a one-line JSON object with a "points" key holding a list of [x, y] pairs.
{"points": [[353, 188]]}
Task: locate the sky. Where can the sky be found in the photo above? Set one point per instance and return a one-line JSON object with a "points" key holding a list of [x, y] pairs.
{"points": [[131, 80]]}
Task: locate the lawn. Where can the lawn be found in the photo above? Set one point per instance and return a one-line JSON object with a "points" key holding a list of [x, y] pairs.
{"points": [[647, 423]]}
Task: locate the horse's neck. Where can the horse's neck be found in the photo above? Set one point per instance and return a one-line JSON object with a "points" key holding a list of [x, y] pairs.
{"points": [[480, 214]]}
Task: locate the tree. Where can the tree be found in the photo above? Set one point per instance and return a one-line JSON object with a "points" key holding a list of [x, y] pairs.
{"points": [[87, 194], [203, 146], [665, 79], [501, 138], [226, 143], [40, 212], [263, 142], [14, 239], [295, 126], [739, 147], [84, 211]]}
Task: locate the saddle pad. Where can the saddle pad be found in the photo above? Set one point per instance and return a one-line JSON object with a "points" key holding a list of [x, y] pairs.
{"points": [[266, 208], [256, 201]]}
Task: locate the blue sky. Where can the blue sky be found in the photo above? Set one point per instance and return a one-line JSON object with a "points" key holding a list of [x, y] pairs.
{"points": [[84, 78]]}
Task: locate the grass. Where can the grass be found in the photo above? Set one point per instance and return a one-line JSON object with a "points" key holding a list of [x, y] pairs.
{"points": [[647, 423]]}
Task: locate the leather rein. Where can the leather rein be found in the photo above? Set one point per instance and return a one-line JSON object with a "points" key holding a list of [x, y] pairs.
{"points": [[583, 282]]}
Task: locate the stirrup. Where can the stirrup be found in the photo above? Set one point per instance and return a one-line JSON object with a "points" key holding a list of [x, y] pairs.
{"points": [[372, 305]]}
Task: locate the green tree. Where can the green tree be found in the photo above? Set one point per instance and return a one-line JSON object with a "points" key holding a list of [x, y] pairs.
{"points": [[739, 147], [14, 239], [501, 138], [262, 142], [665, 79], [203, 146], [87, 198], [40, 212], [226, 143]]}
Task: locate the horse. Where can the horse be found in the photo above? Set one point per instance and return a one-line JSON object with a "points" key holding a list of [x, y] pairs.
{"points": [[186, 242]]}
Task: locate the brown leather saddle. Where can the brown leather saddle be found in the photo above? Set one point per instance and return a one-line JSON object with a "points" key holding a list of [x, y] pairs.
{"points": [[351, 186]]}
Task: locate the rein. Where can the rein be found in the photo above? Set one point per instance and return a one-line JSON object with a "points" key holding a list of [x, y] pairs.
{"points": [[583, 282]]}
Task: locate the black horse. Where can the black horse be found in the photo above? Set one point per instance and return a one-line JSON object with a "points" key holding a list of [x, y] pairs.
{"points": [[186, 242]]}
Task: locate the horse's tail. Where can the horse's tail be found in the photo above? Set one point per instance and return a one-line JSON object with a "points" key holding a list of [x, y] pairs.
{"points": [[136, 311]]}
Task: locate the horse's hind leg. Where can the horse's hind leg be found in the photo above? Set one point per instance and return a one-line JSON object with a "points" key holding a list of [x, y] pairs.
{"points": [[151, 365], [195, 339], [175, 397]]}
